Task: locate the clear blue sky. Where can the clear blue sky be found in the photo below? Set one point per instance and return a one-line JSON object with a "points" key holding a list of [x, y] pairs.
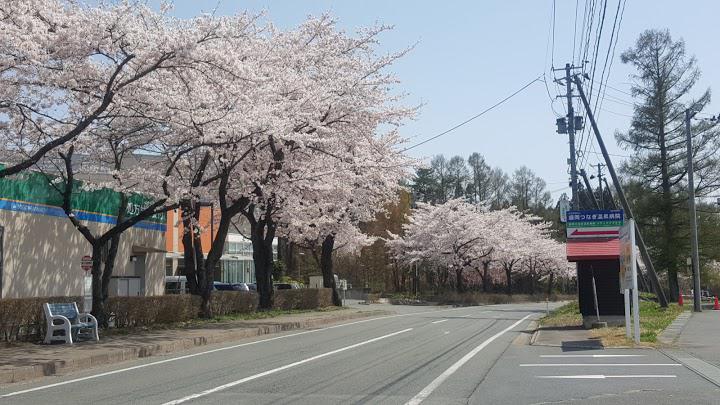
{"points": [[471, 54]]}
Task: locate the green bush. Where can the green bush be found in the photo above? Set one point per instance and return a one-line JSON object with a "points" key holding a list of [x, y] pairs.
{"points": [[303, 298]]}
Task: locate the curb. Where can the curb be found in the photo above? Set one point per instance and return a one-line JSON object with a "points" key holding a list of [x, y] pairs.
{"points": [[705, 370], [672, 332], [54, 367]]}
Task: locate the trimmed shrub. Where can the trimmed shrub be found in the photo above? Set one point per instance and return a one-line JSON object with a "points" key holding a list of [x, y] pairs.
{"points": [[233, 302], [23, 319], [303, 298], [128, 312]]}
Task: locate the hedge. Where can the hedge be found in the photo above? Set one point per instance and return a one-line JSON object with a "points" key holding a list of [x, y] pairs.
{"points": [[22, 319], [303, 298]]}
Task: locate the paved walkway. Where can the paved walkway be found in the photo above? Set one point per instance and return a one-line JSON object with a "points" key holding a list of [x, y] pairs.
{"points": [[25, 361], [697, 345], [701, 336]]}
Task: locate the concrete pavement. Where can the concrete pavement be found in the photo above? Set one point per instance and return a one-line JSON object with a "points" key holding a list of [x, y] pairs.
{"points": [[423, 355], [26, 361]]}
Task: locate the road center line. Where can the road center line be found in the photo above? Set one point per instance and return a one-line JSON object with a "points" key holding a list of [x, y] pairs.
{"points": [[601, 365], [422, 395], [122, 370], [440, 321], [597, 356], [278, 369], [602, 377]]}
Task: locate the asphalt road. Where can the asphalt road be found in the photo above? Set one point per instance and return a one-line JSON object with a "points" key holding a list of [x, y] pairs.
{"points": [[423, 355]]}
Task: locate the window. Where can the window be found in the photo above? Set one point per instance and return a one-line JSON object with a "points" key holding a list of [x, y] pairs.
{"points": [[169, 267]]}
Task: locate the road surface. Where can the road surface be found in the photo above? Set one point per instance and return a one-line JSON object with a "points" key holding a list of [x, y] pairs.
{"points": [[423, 355]]}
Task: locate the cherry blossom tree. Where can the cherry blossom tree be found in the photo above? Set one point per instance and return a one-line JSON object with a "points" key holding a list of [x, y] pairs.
{"points": [[66, 67], [331, 96], [455, 235]]}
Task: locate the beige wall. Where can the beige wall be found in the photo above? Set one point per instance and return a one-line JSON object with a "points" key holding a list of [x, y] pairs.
{"points": [[42, 256]]}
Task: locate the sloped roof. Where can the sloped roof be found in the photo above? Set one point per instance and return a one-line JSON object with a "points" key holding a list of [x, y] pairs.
{"points": [[593, 249]]}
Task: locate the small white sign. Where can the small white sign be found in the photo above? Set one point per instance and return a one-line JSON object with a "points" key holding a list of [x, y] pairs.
{"points": [[87, 293]]}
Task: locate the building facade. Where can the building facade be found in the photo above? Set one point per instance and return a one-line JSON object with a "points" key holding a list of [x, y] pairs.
{"points": [[41, 252]]}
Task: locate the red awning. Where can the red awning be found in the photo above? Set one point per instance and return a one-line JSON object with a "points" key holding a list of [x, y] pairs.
{"points": [[595, 249]]}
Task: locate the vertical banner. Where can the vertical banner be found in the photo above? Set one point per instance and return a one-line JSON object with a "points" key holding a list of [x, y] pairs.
{"points": [[628, 277]]}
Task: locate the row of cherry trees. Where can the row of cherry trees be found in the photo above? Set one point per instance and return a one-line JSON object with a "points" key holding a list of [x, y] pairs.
{"points": [[458, 241], [293, 131]]}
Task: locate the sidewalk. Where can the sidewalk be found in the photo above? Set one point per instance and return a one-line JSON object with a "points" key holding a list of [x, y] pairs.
{"points": [[26, 361], [701, 336], [697, 344]]}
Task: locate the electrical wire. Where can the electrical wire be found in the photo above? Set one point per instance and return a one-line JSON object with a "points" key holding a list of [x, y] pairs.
{"points": [[478, 115]]}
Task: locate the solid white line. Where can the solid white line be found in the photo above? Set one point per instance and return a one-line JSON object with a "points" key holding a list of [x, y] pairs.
{"points": [[602, 365], [440, 321], [597, 356], [285, 367], [602, 377], [422, 395], [43, 387]]}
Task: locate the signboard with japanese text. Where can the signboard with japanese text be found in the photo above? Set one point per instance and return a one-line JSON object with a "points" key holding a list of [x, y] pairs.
{"points": [[627, 256], [594, 224]]}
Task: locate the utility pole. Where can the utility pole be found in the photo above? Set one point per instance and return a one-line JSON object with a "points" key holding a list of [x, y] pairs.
{"points": [[621, 195], [568, 125], [590, 194], [571, 134], [697, 305]]}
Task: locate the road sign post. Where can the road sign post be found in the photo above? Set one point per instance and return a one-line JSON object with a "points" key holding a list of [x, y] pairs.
{"points": [[628, 277]]}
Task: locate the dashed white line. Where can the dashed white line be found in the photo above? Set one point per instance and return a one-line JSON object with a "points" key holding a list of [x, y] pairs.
{"points": [[285, 367], [440, 321], [422, 395]]}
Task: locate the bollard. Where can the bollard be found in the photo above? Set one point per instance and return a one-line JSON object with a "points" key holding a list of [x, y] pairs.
{"points": [[717, 304], [680, 300]]}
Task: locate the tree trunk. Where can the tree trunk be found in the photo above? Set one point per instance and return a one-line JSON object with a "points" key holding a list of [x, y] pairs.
{"points": [[326, 266], [189, 269], [508, 275], [459, 280], [485, 275], [262, 236], [98, 304], [551, 278]]}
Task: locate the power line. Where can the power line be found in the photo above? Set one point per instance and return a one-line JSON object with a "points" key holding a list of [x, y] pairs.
{"points": [[478, 115]]}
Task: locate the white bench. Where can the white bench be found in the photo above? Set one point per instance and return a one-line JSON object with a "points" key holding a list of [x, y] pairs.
{"points": [[69, 322]]}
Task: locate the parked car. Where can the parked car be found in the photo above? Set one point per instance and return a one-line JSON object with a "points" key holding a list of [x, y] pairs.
{"points": [[252, 286], [240, 287], [218, 286]]}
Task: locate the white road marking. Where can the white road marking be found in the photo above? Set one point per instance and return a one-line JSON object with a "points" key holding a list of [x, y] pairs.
{"points": [[597, 356], [465, 316], [440, 321], [58, 384], [602, 365], [278, 369], [422, 395], [602, 377]]}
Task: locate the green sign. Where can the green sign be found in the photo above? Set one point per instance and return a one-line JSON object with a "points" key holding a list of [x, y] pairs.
{"points": [[31, 192]]}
